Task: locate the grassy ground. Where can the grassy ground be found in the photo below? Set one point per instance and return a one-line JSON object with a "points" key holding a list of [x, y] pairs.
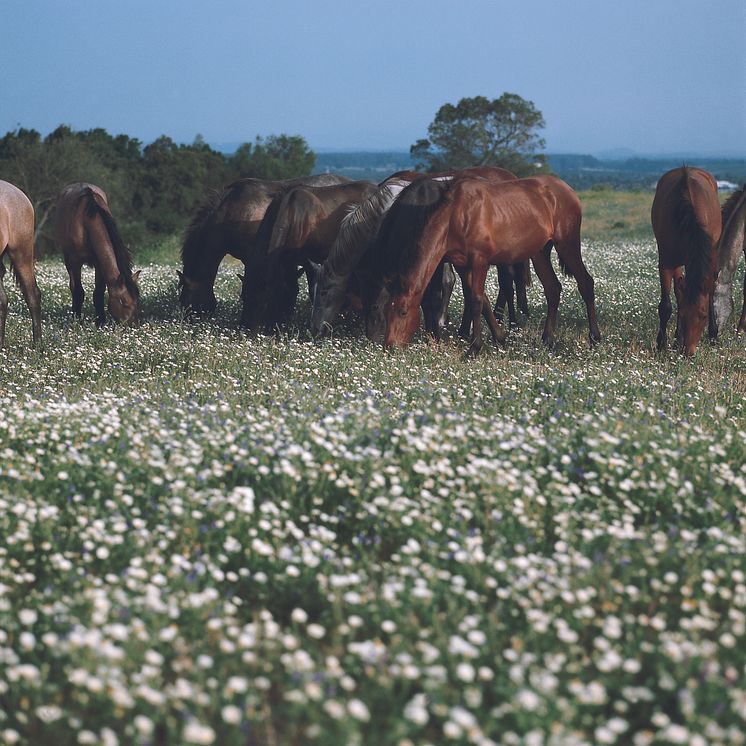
{"points": [[206, 538]]}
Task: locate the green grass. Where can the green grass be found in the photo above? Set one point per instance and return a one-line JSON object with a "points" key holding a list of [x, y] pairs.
{"points": [[207, 538]]}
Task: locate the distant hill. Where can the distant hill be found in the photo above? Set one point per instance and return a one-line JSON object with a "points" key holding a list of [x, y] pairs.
{"points": [[580, 171]]}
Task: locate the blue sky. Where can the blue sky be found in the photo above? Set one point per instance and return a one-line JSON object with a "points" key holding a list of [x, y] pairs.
{"points": [[655, 76]]}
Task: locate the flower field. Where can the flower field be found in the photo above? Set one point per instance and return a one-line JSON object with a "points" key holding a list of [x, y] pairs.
{"points": [[207, 538]]}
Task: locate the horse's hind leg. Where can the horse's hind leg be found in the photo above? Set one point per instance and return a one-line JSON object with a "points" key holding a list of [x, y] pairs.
{"points": [[505, 281], [522, 277], [98, 299], [570, 254], [23, 266], [3, 305], [552, 289]]}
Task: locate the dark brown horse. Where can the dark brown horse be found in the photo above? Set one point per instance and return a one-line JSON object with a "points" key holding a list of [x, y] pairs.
{"points": [[687, 224], [399, 231], [227, 222], [86, 233], [299, 226], [732, 243], [17, 242], [482, 223]]}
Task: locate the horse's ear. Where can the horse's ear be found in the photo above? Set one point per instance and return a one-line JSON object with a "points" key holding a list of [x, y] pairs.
{"points": [[136, 275]]}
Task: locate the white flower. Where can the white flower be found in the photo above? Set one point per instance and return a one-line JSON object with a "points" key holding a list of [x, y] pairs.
{"points": [[358, 710], [231, 714], [199, 733], [27, 617], [299, 616]]}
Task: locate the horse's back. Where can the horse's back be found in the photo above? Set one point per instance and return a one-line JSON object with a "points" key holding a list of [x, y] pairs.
{"points": [[16, 216]]}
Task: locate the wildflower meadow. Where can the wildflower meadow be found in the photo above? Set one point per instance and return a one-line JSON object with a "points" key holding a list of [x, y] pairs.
{"points": [[208, 538]]}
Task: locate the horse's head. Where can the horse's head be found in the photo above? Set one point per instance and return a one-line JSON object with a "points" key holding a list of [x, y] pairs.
{"points": [[123, 300], [722, 303], [196, 296], [693, 314], [328, 297], [401, 313]]}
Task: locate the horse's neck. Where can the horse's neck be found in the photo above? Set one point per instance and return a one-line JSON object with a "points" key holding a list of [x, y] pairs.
{"points": [[102, 248], [733, 239], [201, 260], [431, 248]]}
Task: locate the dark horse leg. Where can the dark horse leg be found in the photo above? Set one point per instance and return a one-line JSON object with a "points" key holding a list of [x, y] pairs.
{"points": [[436, 299], [3, 305], [742, 322], [506, 280], [76, 288], [569, 252], [479, 304], [552, 289], [664, 307], [23, 265], [522, 280], [98, 299]]}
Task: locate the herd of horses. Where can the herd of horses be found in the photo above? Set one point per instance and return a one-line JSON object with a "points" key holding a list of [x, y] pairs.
{"points": [[391, 248]]}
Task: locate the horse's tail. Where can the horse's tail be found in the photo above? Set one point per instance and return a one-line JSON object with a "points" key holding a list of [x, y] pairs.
{"points": [[296, 216], [696, 243], [97, 205], [194, 234]]}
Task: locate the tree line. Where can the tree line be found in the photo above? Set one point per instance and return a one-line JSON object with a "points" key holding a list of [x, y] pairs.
{"points": [[153, 189]]}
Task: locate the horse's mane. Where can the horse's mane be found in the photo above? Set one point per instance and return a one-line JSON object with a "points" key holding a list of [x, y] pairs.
{"points": [[731, 203], [97, 206], [191, 248], [395, 249], [698, 246], [359, 227]]}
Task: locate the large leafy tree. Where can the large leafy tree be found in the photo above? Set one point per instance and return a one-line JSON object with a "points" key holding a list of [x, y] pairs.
{"points": [[274, 157], [479, 132]]}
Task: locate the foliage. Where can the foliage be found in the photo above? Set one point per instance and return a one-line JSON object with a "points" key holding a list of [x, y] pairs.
{"points": [[153, 190], [209, 538], [480, 132]]}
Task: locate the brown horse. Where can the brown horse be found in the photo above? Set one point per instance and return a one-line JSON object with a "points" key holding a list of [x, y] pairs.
{"points": [[732, 243], [227, 222], [687, 224], [482, 223], [17, 240], [86, 233], [300, 226], [397, 235]]}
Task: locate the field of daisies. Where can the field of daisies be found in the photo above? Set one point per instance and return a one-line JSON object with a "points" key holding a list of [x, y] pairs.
{"points": [[212, 539]]}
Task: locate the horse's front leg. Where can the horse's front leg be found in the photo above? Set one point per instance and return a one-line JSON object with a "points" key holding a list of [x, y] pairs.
{"points": [[76, 288], [3, 306], [664, 307], [478, 303], [678, 289], [98, 299]]}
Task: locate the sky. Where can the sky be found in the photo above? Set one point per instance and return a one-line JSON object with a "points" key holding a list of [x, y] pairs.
{"points": [[652, 76]]}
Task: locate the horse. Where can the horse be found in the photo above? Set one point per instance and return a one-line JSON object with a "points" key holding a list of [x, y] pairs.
{"points": [[732, 242], [513, 279], [86, 233], [687, 224], [481, 223], [227, 222], [335, 278], [399, 230], [17, 240], [299, 226]]}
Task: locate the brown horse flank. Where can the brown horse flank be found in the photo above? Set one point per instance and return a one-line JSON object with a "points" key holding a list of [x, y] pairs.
{"points": [[299, 226], [227, 222], [86, 233], [732, 243], [687, 224], [482, 223], [396, 238], [17, 241]]}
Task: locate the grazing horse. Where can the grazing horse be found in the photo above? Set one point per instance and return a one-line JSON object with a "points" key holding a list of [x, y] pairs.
{"points": [[687, 225], [299, 226], [399, 230], [482, 223], [17, 241], [227, 222], [337, 280], [732, 243], [86, 233]]}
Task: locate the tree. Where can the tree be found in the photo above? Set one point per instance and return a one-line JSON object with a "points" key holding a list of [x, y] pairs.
{"points": [[276, 157], [480, 132]]}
